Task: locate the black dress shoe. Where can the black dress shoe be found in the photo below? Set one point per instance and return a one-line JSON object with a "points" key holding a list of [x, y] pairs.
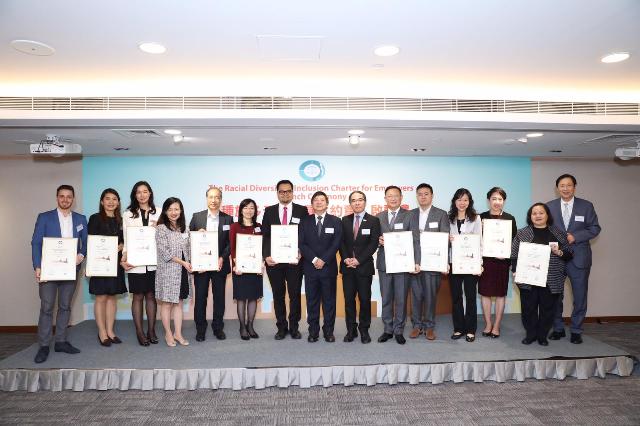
{"points": [[470, 338], [65, 347], [557, 335], [295, 334], [384, 337], [106, 342], [42, 355], [329, 338], [348, 338], [400, 339], [115, 339], [252, 331], [143, 340], [364, 336], [312, 339], [219, 334], [281, 334], [542, 341], [528, 340], [576, 338], [153, 339], [456, 335], [200, 337]]}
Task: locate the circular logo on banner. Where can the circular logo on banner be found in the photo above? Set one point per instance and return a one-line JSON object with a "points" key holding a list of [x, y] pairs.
{"points": [[311, 170]]}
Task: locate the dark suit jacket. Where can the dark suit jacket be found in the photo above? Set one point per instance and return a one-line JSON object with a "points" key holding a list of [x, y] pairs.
{"points": [[324, 247], [272, 217], [436, 216], [403, 217], [364, 245], [48, 225], [199, 221], [583, 230]]}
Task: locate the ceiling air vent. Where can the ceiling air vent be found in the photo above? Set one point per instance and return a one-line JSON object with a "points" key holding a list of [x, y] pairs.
{"points": [[133, 133]]}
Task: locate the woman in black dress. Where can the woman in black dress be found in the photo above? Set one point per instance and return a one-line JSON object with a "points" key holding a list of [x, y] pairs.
{"points": [[494, 281], [108, 222], [247, 288]]}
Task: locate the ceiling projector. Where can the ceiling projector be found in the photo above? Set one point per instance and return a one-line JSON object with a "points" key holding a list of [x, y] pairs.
{"points": [[628, 153], [54, 146]]}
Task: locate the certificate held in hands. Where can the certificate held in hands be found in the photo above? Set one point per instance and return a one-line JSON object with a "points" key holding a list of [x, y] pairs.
{"points": [[58, 259], [102, 256], [496, 238], [434, 251], [141, 246], [204, 251], [398, 252], [465, 254], [249, 253], [533, 264], [284, 243]]}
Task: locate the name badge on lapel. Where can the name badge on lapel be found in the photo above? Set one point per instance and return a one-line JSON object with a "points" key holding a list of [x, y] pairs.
{"points": [[256, 229], [397, 226], [226, 227], [81, 227], [295, 220], [433, 225], [579, 218], [366, 231], [328, 230]]}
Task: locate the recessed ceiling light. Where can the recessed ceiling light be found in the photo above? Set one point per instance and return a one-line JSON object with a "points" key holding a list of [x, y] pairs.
{"points": [[418, 149], [178, 139], [356, 132], [354, 139], [31, 47], [522, 140], [387, 50], [535, 135], [612, 58], [173, 132], [152, 47]]}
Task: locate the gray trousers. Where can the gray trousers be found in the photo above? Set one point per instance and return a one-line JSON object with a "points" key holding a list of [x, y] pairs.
{"points": [[394, 289], [48, 291], [424, 294]]}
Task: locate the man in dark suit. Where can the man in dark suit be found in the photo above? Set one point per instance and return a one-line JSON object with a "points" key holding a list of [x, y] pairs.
{"points": [[360, 233], [212, 219], [58, 223], [393, 287], [425, 285], [284, 277], [319, 239], [579, 219]]}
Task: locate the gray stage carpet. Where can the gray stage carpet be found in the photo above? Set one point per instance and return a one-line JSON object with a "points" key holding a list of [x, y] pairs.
{"points": [[237, 364]]}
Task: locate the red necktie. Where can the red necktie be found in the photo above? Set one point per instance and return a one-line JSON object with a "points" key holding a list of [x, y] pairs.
{"points": [[285, 219], [356, 226]]}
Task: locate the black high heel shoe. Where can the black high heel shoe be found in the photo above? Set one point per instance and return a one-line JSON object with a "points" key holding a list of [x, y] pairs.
{"points": [[251, 331], [244, 335], [142, 339], [152, 338], [105, 342]]}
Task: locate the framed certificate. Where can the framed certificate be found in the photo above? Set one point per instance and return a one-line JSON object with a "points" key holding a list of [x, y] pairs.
{"points": [[204, 250], [398, 252], [102, 256], [434, 251], [496, 238], [249, 253], [533, 264], [284, 243], [58, 259], [465, 254], [141, 246]]}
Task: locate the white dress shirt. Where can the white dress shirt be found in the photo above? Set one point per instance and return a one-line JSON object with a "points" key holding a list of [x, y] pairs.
{"points": [[212, 221], [424, 215], [66, 224], [281, 212]]}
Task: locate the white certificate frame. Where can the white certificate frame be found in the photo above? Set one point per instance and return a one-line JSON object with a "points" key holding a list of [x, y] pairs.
{"points": [[141, 246], [284, 243], [398, 252], [249, 253], [533, 264], [434, 251], [102, 256], [204, 251], [496, 238], [466, 256], [58, 262]]}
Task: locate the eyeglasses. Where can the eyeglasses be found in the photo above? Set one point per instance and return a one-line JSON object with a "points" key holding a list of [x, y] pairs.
{"points": [[288, 191], [356, 200]]}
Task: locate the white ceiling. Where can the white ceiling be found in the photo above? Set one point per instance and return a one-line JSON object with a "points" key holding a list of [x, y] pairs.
{"points": [[525, 50]]}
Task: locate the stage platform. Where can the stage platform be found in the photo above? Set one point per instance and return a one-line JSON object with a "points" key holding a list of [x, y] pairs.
{"points": [[265, 362]]}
